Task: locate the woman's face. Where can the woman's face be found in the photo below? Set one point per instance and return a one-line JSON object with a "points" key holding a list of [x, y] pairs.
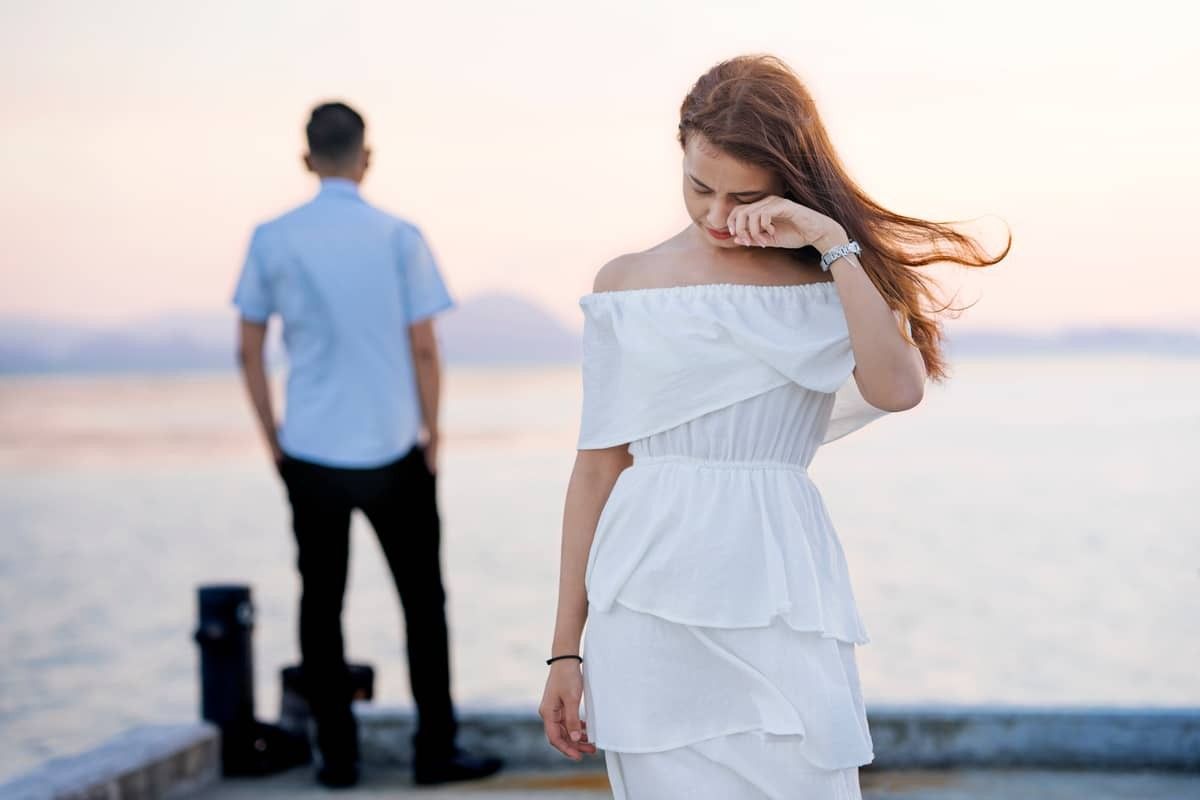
{"points": [[714, 183]]}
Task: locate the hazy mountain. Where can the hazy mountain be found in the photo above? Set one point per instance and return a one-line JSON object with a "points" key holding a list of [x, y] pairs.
{"points": [[505, 329], [492, 328], [1156, 341], [487, 328]]}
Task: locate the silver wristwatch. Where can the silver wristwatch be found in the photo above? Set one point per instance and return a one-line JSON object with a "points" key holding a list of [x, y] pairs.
{"points": [[842, 250]]}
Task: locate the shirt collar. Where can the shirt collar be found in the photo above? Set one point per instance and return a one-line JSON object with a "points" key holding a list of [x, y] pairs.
{"points": [[339, 186]]}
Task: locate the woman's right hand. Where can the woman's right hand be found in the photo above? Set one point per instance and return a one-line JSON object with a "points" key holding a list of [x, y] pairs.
{"points": [[560, 710]]}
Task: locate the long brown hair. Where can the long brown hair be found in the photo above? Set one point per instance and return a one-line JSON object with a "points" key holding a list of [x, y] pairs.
{"points": [[758, 111]]}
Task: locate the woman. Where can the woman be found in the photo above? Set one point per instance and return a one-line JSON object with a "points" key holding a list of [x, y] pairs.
{"points": [[721, 626]]}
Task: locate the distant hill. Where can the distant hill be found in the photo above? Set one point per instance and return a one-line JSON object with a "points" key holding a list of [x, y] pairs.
{"points": [[492, 328], [505, 329], [1079, 341]]}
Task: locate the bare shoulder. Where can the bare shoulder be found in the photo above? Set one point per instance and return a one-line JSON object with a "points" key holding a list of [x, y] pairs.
{"points": [[615, 275], [631, 271], [644, 269]]}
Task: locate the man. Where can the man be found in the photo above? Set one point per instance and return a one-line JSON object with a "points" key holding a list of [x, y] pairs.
{"points": [[357, 290]]}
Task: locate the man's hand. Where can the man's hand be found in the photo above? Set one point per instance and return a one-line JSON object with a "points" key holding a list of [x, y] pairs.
{"points": [[431, 453]]}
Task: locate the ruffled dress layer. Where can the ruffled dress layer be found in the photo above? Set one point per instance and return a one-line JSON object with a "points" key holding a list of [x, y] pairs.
{"points": [[719, 649]]}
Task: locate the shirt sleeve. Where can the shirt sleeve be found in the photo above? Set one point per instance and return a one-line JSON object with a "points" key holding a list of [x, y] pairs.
{"points": [[423, 290], [253, 293]]}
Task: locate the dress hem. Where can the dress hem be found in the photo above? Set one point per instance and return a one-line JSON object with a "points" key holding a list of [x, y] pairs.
{"points": [[861, 640], [850, 764]]}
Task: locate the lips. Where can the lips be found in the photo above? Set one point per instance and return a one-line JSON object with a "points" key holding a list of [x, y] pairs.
{"points": [[718, 234]]}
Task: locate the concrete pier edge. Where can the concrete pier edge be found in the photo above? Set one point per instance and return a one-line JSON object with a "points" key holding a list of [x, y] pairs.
{"points": [[171, 761], [149, 761], [905, 737], [1036, 737]]}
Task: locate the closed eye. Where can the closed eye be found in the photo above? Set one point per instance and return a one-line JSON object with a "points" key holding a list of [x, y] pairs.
{"points": [[742, 198]]}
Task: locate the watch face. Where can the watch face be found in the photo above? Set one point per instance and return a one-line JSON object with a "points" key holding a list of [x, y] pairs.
{"points": [[837, 252]]}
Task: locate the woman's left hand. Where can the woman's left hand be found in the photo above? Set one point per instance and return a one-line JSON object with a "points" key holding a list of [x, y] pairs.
{"points": [[777, 222]]}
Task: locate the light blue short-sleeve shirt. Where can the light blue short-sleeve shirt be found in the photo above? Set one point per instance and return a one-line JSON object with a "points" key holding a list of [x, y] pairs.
{"points": [[347, 280]]}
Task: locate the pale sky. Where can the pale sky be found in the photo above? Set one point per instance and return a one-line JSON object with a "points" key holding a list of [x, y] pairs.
{"points": [[533, 141]]}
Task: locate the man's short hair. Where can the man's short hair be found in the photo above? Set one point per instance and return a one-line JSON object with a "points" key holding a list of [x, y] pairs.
{"points": [[335, 132]]}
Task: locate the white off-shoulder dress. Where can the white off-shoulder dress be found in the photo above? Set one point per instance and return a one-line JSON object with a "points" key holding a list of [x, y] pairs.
{"points": [[719, 648]]}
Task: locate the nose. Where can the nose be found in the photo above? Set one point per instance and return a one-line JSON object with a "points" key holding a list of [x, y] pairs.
{"points": [[718, 215]]}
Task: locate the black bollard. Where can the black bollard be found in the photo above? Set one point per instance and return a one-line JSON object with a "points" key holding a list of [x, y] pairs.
{"points": [[248, 747], [226, 657]]}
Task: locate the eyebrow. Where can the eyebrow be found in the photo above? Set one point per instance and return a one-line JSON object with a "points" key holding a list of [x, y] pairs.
{"points": [[699, 183]]}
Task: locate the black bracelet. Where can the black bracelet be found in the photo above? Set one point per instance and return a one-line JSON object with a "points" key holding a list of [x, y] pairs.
{"points": [[559, 658]]}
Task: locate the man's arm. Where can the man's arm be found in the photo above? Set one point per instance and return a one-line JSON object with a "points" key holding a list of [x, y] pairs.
{"points": [[428, 367], [252, 337]]}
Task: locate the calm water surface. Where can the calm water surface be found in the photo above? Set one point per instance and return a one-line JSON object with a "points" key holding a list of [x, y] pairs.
{"points": [[1030, 534]]}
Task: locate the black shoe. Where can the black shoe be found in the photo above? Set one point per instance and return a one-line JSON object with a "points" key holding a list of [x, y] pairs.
{"points": [[462, 766], [338, 776]]}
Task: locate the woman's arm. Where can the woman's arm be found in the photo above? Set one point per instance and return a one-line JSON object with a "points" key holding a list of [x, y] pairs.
{"points": [[591, 482], [889, 371], [592, 479]]}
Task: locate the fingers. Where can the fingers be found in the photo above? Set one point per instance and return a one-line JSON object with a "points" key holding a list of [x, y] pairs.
{"points": [[556, 734], [757, 225], [576, 730], [751, 224], [582, 744], [741, 233], [567, 737]]}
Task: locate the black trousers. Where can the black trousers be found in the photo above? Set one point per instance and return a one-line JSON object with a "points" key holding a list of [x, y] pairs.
{"points": [[400, 501]]}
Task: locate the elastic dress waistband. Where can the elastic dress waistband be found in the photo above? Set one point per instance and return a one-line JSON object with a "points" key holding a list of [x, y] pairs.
{"points": [[712, 463]]}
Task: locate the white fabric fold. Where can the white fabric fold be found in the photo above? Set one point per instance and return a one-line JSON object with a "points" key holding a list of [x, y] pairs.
{"points": [[722, 623], [722, 548], [655, 358], [652, 685], [745, 766]]}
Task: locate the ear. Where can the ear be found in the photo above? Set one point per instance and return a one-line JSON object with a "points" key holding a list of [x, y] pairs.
{"points": [[308, 162], [366, 158]]}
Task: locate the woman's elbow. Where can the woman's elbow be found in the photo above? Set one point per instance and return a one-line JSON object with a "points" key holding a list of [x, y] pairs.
{"points": [[899, 395], [902, 400]]}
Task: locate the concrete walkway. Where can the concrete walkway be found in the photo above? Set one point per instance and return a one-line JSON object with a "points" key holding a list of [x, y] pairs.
{"points": [[898, 785], [939, 753]]}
